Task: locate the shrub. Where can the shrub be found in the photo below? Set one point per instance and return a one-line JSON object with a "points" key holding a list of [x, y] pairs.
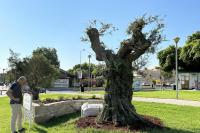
{"points": [[98, 82], [79, 97], [61, 98], [94, 97]]}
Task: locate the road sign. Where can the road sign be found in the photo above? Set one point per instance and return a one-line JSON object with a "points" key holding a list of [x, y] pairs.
{"points": [[80, 74]]}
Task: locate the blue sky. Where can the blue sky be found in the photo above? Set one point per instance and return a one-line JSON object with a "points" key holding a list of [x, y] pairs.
{"points": [[26, 25]]}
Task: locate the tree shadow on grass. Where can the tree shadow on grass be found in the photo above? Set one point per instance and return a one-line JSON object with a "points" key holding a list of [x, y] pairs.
{"points": [[59, 120], [63, 119], [39, 130]]}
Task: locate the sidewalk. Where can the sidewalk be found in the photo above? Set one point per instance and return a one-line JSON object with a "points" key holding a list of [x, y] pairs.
{"points": [[168, 101]]}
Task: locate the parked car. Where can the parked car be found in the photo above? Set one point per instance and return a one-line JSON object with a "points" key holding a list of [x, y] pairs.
{"points": [[172, 84], [42, 90], [146, 84], [166, 85]]}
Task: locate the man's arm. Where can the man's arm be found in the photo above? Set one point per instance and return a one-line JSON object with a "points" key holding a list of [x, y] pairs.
{"points": [[27, 89], [9, 94]]}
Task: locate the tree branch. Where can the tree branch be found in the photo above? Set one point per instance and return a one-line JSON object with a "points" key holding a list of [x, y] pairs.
{"points": [[134, 47], [101, 53], [140, 42], [127, 46], [138, 52]]}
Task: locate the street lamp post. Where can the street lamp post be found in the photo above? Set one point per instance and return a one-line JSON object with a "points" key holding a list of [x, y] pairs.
{"points": [[176, 40], [160, 80], [89, 57], [81, 57], [4, 75], [80, 74]]}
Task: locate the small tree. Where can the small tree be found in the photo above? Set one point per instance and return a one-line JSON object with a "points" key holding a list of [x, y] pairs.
{"points": [[14, 64], [118, 106], [84, 68], [50, 54], [40, 72], [37, 68]]}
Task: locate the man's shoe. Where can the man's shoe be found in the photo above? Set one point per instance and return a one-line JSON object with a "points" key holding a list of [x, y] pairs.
{"points": [[21, 130]]}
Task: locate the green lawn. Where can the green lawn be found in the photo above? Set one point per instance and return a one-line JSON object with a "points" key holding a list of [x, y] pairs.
{"points": [[182, 119], [171, 94]]}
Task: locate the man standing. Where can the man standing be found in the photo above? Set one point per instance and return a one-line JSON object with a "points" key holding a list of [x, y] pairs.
{"points": [[16, 98]]}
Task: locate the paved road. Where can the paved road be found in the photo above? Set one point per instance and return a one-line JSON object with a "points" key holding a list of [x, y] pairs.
{"points": [[3, 93]]}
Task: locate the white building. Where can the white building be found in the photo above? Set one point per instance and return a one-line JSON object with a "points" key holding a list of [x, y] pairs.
{"points": [[189, 80], [61, 83], [63, 80]]}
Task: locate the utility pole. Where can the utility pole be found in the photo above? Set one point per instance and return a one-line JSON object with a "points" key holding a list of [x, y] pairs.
{"points": [[176, 40]]}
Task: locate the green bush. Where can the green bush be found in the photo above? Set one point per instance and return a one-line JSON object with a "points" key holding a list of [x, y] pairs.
{"points": [[93, 96], [98, 82], [61, 98]]}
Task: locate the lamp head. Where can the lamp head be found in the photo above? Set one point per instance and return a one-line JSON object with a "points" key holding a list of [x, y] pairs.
{"points": [[176, 40]]}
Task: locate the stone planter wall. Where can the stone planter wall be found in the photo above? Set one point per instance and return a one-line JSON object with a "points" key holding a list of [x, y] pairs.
{"points": [[45, 112]]}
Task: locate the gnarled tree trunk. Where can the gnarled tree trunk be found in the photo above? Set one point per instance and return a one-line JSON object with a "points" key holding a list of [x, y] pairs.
{"points": [[117, 101], [118, 107]]}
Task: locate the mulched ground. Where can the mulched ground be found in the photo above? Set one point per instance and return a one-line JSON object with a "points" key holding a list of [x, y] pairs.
{"points": [[86, 122]]}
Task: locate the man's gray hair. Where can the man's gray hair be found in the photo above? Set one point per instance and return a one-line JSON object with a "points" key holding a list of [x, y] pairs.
{"points": [[22, 78]]}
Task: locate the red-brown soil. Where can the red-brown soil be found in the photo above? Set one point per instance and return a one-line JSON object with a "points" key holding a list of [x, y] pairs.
{"points": [[91, 122]]}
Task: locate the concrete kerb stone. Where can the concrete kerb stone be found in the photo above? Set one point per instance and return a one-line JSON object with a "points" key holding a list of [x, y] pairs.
{"points": [[45, 112]]}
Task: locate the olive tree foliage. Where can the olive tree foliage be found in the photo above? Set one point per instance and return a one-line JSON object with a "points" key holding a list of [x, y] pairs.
{"points": [[104, 29], [118, 106], [108, 29]]}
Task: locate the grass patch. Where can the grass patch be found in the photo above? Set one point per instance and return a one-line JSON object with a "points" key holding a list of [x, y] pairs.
{"points": [[183, 94], [170, 94], [182, 119]]}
